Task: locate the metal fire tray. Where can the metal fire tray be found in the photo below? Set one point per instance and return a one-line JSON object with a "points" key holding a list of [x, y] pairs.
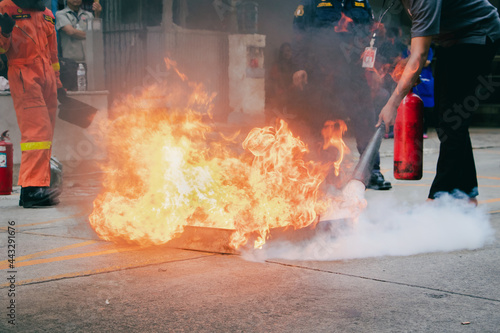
{"points": [[217, 240]]}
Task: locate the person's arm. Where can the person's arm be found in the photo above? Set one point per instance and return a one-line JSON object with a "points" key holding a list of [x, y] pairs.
{"points": [[97, 8], [50, 30], [64, 25], [54, 58], [73, 32], [419, 49]]}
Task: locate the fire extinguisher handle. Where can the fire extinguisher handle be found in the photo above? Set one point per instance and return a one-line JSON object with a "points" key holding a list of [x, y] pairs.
{"points": [[4, 135]]}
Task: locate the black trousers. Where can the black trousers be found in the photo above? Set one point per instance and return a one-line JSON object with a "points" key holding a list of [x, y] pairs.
{"points": [[462, 81]]}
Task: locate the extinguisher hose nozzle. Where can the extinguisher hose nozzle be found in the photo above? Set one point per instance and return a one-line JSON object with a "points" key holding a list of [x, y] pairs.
{"points": [[363, 169], [4, 135]]}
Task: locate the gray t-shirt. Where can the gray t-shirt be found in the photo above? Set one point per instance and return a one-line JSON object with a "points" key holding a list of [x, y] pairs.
{"points": [[73, 48], [454, 21]]}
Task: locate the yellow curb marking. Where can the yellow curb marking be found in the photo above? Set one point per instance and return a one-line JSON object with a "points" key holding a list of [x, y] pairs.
{"points": [[46, 222], [492, 152], [4, 264], [74, 256], [409, 184], [401, 184], [482, 177], [489, 201], [493, 178], [101, 270]]}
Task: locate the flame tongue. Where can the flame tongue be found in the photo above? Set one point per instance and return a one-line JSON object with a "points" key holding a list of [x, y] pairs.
{"points": [[332, 133], [284, 185], [343, 25], [148, 179], [167, 169]]}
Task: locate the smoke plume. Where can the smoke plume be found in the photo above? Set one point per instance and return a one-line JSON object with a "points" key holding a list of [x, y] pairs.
{"points": [[389, 227]]}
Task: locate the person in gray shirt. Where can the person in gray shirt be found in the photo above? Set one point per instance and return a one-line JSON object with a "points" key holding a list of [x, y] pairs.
{"points": [[467, 33], [71, 22]]}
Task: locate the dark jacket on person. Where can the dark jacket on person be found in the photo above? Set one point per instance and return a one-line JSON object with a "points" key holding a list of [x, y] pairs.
{"points": [[321, 32]]}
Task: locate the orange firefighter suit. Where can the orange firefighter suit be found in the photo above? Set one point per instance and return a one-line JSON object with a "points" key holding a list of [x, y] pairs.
{"points": [[31, 50]]}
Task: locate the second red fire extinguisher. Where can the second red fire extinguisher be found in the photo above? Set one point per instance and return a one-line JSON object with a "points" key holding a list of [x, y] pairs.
{"points": [[408, 138], [6, 164]]}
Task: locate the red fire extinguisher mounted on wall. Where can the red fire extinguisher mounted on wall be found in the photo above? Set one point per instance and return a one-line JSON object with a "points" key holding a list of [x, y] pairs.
{"points": [[408, 138], [6, 164]]}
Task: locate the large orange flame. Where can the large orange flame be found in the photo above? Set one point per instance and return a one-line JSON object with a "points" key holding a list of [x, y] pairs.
{"points": [[167, 168]]}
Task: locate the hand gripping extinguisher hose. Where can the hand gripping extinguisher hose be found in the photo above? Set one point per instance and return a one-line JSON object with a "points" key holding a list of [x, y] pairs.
{"points": [[363, 169]]}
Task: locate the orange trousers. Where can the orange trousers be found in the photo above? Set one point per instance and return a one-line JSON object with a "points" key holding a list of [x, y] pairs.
{"points": [[34, 92], [31, 49]]}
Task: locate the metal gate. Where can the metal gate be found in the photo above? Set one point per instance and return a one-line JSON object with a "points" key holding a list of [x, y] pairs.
{"points": [[135, 45]]}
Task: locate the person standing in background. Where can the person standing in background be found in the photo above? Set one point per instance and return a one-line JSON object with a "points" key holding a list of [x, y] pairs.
{"points": [[71, 23], [280, 83], [329, 38]]}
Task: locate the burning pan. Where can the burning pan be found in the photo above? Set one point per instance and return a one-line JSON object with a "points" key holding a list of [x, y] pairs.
{"points": [[218, 240]]}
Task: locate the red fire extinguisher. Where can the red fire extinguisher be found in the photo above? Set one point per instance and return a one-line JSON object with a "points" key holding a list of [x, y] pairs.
{"points": [[408, 138], [6, 164]]}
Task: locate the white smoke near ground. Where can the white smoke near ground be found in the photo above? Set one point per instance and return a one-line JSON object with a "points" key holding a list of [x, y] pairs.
{"points": [[389, 227]]}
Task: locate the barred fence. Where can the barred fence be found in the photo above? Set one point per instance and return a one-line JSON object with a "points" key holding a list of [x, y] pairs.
{"points": [[136, 43]]}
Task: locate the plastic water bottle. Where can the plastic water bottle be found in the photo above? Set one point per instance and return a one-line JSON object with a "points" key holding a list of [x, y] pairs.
{"points": [[80, 74]]}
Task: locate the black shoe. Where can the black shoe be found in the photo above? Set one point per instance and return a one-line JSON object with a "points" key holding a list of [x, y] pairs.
{"points": [[21, 198], [377, 182], [39, 197]]}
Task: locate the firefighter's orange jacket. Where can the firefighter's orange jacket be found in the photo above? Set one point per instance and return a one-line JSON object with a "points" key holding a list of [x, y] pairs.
{"points": [[31, 50]]}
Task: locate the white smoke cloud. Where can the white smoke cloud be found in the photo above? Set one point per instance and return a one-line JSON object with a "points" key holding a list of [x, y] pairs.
{"points": [[389, 227]]}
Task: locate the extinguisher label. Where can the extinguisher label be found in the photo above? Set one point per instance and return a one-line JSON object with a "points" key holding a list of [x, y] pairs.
{"points": [[3, 148], [3, 160]]}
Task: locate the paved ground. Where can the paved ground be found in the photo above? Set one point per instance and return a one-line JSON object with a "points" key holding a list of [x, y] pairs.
{"points": [[67, 280]]}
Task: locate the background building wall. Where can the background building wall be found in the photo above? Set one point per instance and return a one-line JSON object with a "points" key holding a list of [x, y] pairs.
{"points": [[140, 33]]}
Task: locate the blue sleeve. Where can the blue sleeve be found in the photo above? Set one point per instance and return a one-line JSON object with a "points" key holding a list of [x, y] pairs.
{"points": [[54, 5], [430, 55]]}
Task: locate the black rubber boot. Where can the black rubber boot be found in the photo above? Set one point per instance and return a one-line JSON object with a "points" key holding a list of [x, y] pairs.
{"points": [[377, 182], [39, 197]]}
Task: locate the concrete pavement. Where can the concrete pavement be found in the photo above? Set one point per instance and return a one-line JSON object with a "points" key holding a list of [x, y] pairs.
{"points": [[65, 279]]}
